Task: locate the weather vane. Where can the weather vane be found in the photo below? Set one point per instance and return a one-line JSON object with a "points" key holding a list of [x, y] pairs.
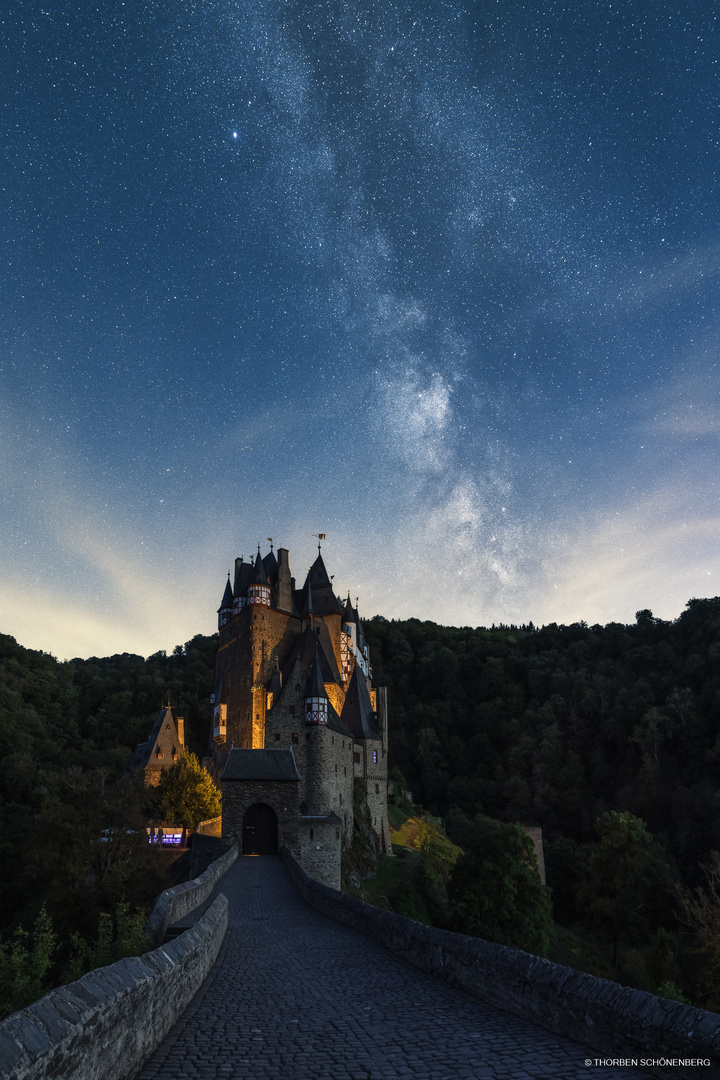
{"points": [[320, 536]]}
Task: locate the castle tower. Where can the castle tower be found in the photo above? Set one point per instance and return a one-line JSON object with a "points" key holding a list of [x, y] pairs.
{"points": [[296, 713], [259, 588], [226, 605]]}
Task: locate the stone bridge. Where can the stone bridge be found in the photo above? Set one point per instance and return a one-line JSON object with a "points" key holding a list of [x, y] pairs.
{"points": [[295, 994]]}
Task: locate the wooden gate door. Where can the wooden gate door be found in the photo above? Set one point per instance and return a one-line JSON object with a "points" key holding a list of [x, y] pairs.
{"points": [[260, 831]]}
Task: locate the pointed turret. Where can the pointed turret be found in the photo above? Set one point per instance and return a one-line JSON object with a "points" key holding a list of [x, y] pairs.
{"points": [[350, 615], [316, 700], [258, 589], [270, 564], [324, 599], [308, 606], [226, 605]]}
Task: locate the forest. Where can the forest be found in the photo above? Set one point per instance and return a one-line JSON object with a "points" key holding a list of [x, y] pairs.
{"points": [[576, 729]]}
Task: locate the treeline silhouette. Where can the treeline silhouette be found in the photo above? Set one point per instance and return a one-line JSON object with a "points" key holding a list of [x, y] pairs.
{"points": [[557, 726]]}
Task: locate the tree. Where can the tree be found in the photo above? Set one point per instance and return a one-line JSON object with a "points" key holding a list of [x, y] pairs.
{"points": [[187, 794], [627, 872], [496, 892], [701, 912]]}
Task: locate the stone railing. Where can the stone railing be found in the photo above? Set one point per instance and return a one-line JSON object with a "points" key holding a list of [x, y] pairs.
{"points": [[175, 903], [616, 1021], [211, 827], [106, 1024]]}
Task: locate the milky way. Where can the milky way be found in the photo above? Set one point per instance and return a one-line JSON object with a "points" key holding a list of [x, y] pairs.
{"points": [[438, 280]]}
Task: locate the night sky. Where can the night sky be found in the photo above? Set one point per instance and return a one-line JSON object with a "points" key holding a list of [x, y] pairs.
{"points": [[436, 279]]}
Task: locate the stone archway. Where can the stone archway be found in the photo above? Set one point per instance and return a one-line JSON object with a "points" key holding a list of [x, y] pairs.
{"points": [[260, 830]]}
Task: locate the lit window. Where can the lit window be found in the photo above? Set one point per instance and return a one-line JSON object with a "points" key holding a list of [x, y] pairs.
{"points": [[295, 736], [375, 756]]}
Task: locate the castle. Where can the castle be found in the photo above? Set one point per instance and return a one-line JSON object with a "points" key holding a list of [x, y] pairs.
{"points": [[296, 719]]}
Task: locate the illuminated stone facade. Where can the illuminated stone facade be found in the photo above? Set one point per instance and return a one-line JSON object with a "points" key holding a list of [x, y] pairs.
{"points": [[293, 674], [164, 746]]}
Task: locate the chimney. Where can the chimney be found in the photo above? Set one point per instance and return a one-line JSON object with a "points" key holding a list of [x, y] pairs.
{"points": [[284, 581], [180, 722]]}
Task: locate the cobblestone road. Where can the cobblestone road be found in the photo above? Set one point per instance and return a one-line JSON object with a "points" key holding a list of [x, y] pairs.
{"points": [[294, 995]]}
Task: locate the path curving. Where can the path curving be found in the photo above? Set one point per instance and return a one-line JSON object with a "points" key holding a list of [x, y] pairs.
{"points": [[294, 995]]}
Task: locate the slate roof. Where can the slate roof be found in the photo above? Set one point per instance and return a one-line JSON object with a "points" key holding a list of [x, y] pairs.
{"points": [[357, 713], [350, 615], [271, 567], [243, 574], [260, 765], [324, 601], [304, 649], [315, 682], [227, 600], [259, 577]]}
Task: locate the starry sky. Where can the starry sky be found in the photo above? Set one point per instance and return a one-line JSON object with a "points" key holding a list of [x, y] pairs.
{"points": [[438, 279]]}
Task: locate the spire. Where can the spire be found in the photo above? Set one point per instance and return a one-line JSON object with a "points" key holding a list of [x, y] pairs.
{"points": [[226, 604], [258, 589], [315, 684], [349, 612], [324, 599], [259, 577], [316, 700]]}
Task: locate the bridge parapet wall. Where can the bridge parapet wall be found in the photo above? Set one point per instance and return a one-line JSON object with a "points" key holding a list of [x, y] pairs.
{"points": [[175, 903], [615, 1020], [106, 1024]]}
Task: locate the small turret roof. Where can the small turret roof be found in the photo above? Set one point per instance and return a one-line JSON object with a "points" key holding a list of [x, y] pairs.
{"points": [[350, 615], [227, 600], [315, 682], [271, 567], [259, 577], [357, 713]]}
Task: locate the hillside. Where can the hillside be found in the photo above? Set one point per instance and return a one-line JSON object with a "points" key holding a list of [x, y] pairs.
{"points": [[552, 727]]}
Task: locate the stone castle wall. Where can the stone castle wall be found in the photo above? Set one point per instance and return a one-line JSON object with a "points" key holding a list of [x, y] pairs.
{"points": [[249, 645], [320, 848], [281, 795]]}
